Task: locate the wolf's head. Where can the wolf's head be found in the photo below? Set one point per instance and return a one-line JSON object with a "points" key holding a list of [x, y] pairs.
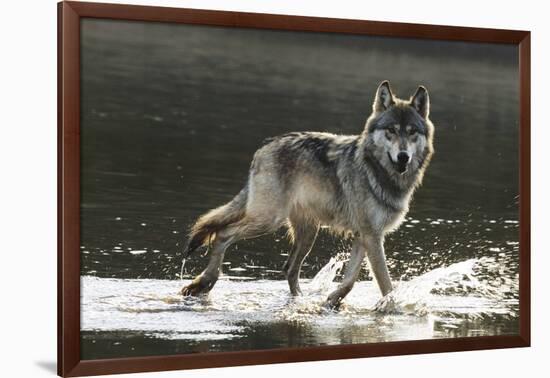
{"points": [[399, 132]]}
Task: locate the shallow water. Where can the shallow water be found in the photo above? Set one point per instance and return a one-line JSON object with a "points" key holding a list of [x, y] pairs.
{"points": [[171, 116], [240, 314]]}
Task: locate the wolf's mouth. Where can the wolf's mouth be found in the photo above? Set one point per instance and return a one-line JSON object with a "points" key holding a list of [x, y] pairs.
{"points": [[399, 167]]}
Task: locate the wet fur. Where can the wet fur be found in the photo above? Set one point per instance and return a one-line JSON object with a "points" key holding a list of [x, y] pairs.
{"points": [[302, 180]]}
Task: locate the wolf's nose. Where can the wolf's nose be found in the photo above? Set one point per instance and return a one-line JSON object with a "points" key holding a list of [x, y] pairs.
{"points": [[403, 157]]}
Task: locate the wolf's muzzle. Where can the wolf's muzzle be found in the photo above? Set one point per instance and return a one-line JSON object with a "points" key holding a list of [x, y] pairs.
{"points": [[402, 161]]}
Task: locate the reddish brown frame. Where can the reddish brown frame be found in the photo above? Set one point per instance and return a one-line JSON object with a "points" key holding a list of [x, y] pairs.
{"points": [[69, 15]]}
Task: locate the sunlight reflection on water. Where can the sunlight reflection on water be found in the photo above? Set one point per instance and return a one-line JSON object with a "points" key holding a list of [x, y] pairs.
{"points": [[447, 296]]}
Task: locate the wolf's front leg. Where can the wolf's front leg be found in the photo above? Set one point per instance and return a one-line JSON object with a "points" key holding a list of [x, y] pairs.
{"points": [[352, 272], [377, 261]]}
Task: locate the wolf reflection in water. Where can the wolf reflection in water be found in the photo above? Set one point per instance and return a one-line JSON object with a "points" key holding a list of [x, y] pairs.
{"points": [[171, 118]]}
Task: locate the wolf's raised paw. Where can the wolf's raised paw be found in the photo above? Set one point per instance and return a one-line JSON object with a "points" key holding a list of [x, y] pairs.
{"points": [[198, 286], [190, 290]]}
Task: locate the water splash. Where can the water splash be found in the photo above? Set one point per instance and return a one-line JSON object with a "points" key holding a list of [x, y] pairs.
{"points": [[463, 283], [324, 279], [182, 267], [412, 296], [457, 298]]}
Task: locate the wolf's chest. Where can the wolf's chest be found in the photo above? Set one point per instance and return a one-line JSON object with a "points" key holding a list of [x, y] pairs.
{"points": [[384, 218]]}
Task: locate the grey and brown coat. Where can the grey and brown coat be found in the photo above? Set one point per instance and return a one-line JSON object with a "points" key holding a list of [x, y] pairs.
{"points": [[357, 184]]}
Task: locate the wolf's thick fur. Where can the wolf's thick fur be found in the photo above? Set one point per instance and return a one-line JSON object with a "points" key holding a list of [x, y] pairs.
{"points": [[215, 220], [360, 184]]}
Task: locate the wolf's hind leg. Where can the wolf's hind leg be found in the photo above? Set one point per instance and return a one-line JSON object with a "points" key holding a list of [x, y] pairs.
{"points": [[352, 272], [243, 229], [305, 232], [205, 281]]}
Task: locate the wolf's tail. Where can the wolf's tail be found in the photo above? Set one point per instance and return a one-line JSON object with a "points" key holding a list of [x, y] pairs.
{"points": [[215, 220]]}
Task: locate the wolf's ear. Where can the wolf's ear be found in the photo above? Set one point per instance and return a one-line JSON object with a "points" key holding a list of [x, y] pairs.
{"points": [[421, 101], [384, 97]]}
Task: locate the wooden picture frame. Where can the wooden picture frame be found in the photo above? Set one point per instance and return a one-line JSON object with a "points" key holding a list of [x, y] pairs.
{"points": [[70, 15]]}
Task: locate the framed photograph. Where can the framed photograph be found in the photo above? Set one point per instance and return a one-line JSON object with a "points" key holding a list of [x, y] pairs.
{"points": [[239, 188]]}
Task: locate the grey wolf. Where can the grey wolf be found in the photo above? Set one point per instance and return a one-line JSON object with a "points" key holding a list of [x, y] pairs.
{"points": [[361, 185]]}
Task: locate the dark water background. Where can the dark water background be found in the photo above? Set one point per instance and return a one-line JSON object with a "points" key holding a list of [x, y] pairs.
{"points": [[172, 114]]}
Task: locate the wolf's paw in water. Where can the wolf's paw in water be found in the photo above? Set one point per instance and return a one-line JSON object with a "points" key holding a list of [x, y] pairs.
{"points": [[333, 302], [200, 285], [330, 306], [387, 305]]}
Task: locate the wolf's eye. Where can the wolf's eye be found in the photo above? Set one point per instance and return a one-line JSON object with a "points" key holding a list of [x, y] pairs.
{"points": [[391, 130], [412, 132]]}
